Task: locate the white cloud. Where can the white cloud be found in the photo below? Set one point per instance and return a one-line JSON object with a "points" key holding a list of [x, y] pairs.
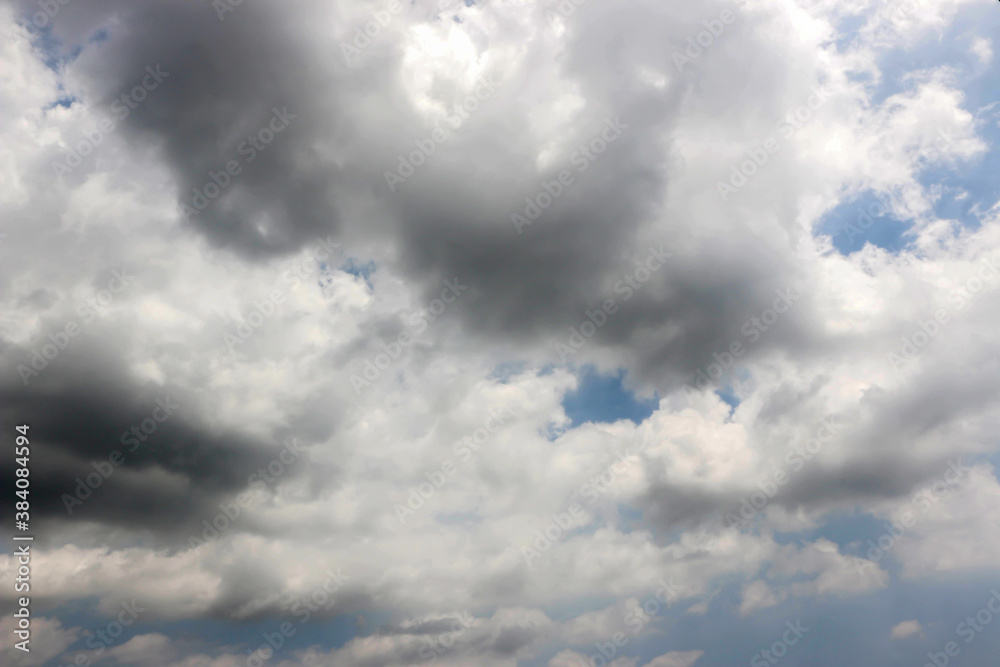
{"points": [[48, 639], [906, 629], [757, 595], [983, 49]]}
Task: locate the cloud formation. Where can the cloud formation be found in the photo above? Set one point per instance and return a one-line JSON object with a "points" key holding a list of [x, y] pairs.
{"points": [[249, 358]]}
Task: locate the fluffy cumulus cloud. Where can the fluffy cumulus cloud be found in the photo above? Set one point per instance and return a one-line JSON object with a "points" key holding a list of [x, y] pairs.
{"points": [[519, 334]]}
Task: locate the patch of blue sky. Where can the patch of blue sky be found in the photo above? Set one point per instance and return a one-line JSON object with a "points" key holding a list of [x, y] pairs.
{"points": [[963, 189], [308, 630], [727, 394], [50, 48], [855, 223], [729, 637], [965, 186], [327, 632], [951, 49], [504, 371], [994, 460], [847, 530], [363, 270], [629, 519], [848, 29], [603, 398], [65, 102]]}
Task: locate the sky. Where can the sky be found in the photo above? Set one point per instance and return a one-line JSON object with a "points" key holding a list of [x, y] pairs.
{"points": [[632, 333]]}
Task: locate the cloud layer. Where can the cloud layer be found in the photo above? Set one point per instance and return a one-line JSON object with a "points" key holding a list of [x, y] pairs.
{"points": [[293, 296]]}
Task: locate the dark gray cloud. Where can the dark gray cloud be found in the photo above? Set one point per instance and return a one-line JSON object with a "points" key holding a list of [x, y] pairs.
{"points": [[84, 407], [452, 218]]}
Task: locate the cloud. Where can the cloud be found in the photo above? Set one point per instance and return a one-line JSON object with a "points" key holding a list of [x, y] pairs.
{"points": [[573, 659], [676, 659], [749, 334], [48, 639], [906, 629], [144, 650], [983, 49], [757, 595]]}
